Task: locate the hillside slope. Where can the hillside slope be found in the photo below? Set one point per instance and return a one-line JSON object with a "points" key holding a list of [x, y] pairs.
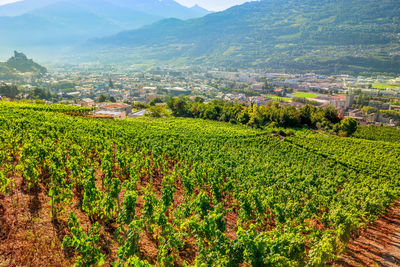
{"points": [[180, 192], [328, 36], [18, 65]]}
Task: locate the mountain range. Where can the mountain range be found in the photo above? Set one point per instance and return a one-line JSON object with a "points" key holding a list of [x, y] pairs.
{"points": [[63, 23], [308, 35], [329, 36]]}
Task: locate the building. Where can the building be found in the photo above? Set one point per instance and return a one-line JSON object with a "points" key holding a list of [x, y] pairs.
{"points": [[394, 107], [358, 115], [379, 105], [116, 107], [349, 100], [73, 94], [137, 114], [340, 102], [148, 90], [86, 102], [258, 100], [109, 114], [177, 91], [259, 87]]}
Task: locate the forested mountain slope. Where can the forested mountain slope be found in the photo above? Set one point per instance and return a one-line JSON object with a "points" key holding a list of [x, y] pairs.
{"points": [[299, 35]]}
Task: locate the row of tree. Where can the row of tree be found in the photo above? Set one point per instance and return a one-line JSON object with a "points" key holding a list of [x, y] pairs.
{"points": [[12, 91], [272, 114]]}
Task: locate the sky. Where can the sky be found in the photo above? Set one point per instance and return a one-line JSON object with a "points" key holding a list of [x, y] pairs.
{"points": [[213, 5], [2, 2]]}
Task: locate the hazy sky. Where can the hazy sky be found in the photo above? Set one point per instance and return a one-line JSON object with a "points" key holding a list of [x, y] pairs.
{"points": [[2, 2], [213, 5]]}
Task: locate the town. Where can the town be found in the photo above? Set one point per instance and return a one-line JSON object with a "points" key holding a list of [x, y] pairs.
{"points": [[127, 93]]}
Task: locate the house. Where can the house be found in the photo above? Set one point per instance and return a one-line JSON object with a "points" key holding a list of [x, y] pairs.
{"points": [[355, 113], [86, 102], [259, 87], [176, 91], [109, 114], [116, 107], [258, 100], [148, 90], [379, 105], [73, 94], [358, 115], [383, 119], [394, 107]]}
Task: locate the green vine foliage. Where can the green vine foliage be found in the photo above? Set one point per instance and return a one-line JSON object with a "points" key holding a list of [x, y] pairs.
{"points": [[85, 244], [202, 192]]}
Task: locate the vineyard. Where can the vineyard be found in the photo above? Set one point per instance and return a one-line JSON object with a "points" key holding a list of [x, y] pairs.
{"points": [[178, 191], [381, 133]]}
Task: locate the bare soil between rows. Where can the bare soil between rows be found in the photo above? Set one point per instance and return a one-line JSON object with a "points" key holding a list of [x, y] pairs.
{"points": [[379, 245]]}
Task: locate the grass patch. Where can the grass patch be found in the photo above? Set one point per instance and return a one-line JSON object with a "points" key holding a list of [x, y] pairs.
{"points": [[279, 99], [382, 86], [305, 95]]}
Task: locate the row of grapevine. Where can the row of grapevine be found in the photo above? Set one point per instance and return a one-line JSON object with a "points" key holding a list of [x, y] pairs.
{"points": [[201, 192], [378, 133]]}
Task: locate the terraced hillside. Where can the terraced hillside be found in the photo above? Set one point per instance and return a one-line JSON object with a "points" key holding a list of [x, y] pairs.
{"points": [[181, 191]]}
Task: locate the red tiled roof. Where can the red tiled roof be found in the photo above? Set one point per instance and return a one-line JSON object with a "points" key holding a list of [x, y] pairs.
{"points": [[115, 106], [341, 97]]}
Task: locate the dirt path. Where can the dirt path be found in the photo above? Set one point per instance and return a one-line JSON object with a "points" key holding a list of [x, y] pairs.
{"points": [[379, 245]]}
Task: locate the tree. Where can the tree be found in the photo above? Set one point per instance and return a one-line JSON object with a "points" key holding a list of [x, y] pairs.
{"points": [[40, 93], [139, 105], [10, 91], [112, 99], [155, 112], [331, 114], [243, 117], [155, 101], [179, 106], [199, 99], [369, 110], [305, 114], [348, 126], [102, 98], [268, 86]]}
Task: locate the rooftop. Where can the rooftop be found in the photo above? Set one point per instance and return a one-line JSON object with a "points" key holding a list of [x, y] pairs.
{"points": [[116, 106]]}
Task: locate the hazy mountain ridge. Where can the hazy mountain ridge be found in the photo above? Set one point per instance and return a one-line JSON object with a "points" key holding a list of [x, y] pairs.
{"points": [[159, 8], [63, 23], [278, 34]]}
